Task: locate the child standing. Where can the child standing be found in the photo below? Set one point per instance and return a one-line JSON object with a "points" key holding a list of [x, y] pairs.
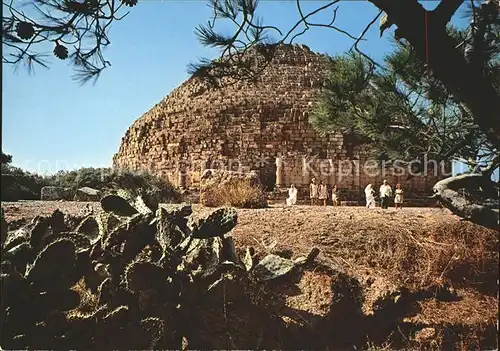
{"points": [[313, 191], [398, 197], [335, 193], [323, 192]]}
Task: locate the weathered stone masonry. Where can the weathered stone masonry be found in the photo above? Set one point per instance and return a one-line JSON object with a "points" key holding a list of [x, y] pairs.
{"points": [[261, 125]]}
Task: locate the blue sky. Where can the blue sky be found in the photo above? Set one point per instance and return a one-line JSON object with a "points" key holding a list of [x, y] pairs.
{"points": [[51, 123]]}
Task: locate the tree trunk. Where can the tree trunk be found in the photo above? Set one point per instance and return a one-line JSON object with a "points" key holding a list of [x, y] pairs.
{"points": [[426, 32], [454, 194]]}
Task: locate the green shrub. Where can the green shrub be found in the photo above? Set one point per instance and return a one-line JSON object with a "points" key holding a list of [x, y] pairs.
{"points": [[18, 184], [107, 179]]}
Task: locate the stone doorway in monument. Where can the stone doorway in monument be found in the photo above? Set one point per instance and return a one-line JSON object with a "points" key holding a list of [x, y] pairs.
{"points": [[268, 176]]}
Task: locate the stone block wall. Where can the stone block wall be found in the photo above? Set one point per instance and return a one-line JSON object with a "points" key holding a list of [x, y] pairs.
{"points": [[242, 126]]}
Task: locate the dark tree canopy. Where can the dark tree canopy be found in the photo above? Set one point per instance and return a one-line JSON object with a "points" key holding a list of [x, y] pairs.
{"points": [[6, 158], [17, 183]]}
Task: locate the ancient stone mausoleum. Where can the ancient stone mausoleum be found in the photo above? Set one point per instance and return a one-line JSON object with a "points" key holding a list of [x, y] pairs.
{"points": [[260, 125]]}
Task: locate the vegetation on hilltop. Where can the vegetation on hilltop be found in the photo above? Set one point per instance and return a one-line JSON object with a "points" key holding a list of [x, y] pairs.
{"points": [[18, 184], [109, 179]]}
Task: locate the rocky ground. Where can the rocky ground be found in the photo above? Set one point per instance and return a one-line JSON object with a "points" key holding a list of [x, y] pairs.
{"points": [[424, 269]]}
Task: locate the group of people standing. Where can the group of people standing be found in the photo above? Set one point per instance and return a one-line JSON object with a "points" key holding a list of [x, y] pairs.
{"points": [[318, 193], [385, 192]]}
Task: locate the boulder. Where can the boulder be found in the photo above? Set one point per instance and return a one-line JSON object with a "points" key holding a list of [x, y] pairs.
{"points": [[54, 193], [239, 189], [87, 194]]}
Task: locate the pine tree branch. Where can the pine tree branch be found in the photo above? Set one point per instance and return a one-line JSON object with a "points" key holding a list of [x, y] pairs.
{"points": [[445, 10]]}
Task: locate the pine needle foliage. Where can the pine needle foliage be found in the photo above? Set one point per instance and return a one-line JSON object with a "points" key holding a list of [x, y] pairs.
{"points": [[401, 111]]}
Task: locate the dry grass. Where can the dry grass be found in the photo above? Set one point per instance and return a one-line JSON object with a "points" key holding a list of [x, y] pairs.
{"points": [[239, 193], [460, 254], [414, 248], [371, 346], [464, 324], [462, 311]]}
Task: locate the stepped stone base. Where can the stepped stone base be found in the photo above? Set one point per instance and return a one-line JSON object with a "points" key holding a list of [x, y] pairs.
{"points": [[407, 203], [279, 196]]}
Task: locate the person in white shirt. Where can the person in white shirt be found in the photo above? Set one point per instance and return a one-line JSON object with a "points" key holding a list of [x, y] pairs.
{"points": [[292, 195], [385, 193], [313, 191], [370, 198]]}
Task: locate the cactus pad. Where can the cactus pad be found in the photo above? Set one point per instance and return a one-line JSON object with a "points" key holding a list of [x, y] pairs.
{"points": [[82, 242], [52, 268], [272, 267], [141, 276], [39, 227], [3, 229], [90, 228], [218, 223], [153, 330], [16, 237]]}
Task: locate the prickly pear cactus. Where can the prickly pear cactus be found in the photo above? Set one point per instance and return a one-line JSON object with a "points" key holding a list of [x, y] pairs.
{"points": [[136, 258], [53, 266], [118, 204], [121, 279], [37, 292], [90, 228]]}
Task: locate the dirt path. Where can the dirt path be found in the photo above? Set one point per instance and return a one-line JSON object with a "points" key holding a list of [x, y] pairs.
{"points": [[277, 218]]}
